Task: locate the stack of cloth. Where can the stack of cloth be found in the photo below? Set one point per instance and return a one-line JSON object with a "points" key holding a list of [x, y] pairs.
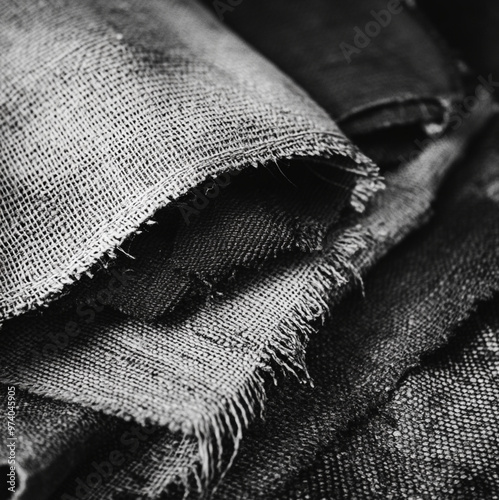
{"points": [[247, 251]]}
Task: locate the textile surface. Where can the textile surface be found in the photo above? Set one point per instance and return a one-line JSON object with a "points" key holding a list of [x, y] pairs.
{"points": [[436, 438], [410, 305], [240, 229], [204, 290], [256, 218], [48, 440], [118, 85], [166, 386]]}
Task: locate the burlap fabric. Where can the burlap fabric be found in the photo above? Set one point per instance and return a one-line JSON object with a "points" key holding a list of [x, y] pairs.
{"points": [[201, 373], [218, 230], [436, 437], [113, 109], [167, 381], [409, 306], [255, 218]]}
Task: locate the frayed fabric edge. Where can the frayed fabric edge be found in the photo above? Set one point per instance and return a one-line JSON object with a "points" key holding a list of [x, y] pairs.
{"points": [[322, 146], [352, 253]]}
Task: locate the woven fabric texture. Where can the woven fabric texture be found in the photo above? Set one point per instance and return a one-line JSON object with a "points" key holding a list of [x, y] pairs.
{"points": [[255, 218], [139, 103], [182, 225], [204, 374], [409, 306], [436, 438]]}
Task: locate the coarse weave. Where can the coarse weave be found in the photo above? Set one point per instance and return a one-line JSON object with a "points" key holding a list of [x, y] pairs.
{"points": [[217, 231], [435, 439], [110, 110], [411, 304], [249, 220], [204, 373]]}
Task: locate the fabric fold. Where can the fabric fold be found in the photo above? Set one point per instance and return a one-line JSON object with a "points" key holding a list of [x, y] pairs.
{"points": [[139, 102], [387, 64], [411, 304], [181, 218]]}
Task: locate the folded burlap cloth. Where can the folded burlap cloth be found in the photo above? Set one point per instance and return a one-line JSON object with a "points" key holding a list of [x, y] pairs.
{"points": [[388, 99], [113, 111], [412, 303]]}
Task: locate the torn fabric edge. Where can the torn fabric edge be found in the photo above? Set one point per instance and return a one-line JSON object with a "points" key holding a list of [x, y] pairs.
{"points": [[290, 125]]}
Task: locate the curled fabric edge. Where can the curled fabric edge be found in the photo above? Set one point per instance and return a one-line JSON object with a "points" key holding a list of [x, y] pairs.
{"points": [[321, 146]]}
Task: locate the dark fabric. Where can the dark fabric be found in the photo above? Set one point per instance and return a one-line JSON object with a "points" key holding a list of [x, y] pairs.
{"points": [[471, 28], [49, 439], [234, 223], [203, 372], [398, 76], [409, 306], [437, 438], [194, 388], [270, 252]]}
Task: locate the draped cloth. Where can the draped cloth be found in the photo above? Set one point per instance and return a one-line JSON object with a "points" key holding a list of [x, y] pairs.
{"points": [[195, 236]]}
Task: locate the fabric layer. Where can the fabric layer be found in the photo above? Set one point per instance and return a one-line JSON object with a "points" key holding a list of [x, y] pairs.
{"points": [[436, 437], [139, 103], [386, 64], [409, 306], [48, 440], [205, 372]]}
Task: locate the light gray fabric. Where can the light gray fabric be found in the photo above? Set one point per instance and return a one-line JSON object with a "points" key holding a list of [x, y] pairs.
{"points": [[110, 109]]}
